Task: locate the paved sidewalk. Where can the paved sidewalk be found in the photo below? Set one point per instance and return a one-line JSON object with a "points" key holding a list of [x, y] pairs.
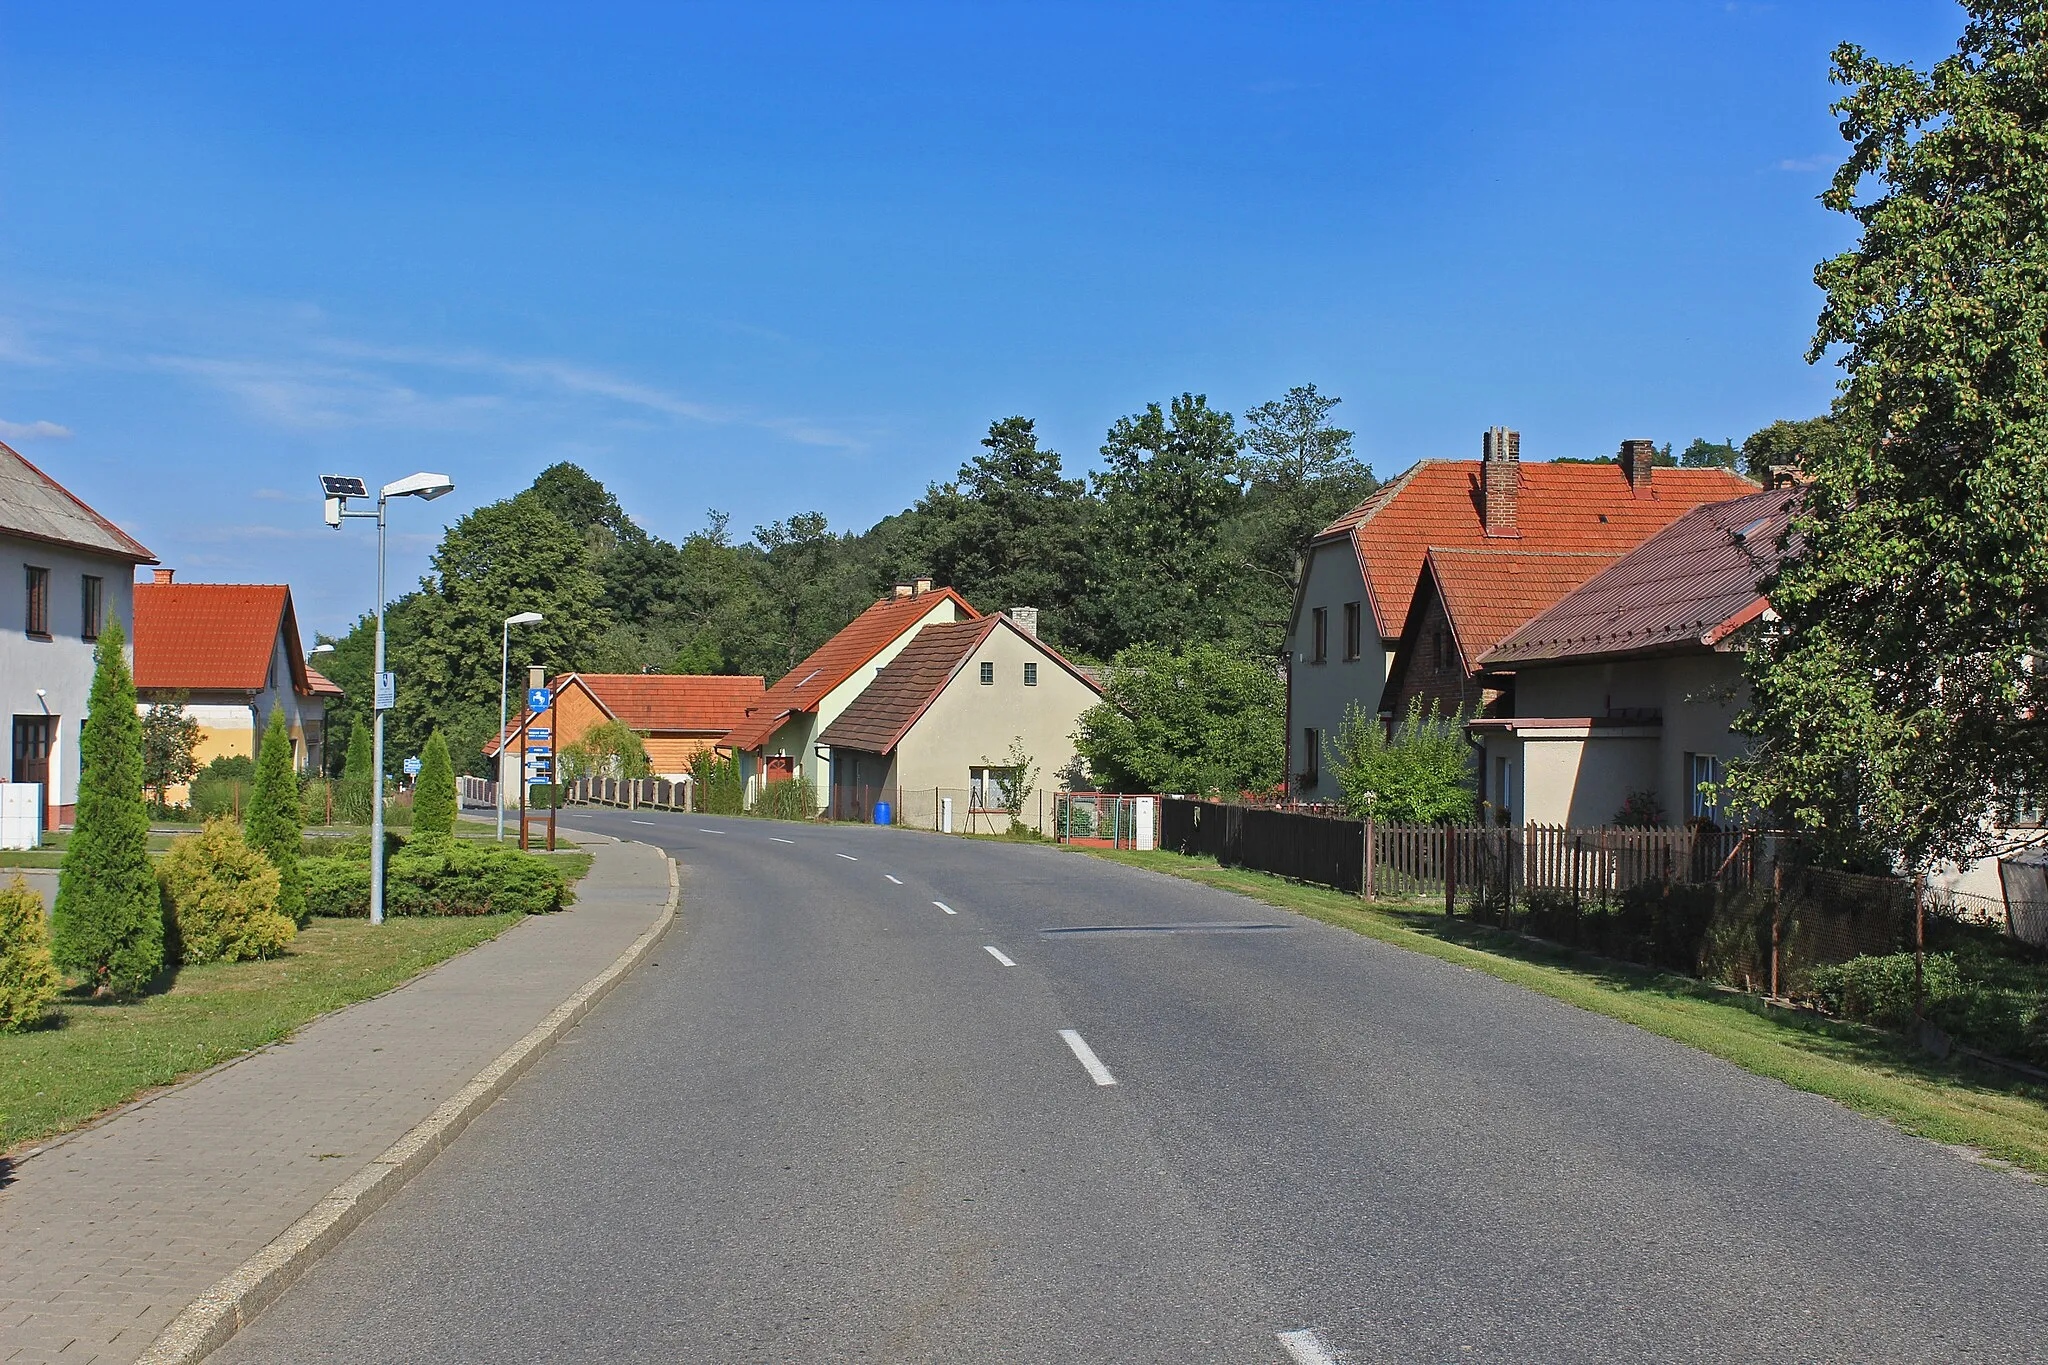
{"points": [[106, 1235]]}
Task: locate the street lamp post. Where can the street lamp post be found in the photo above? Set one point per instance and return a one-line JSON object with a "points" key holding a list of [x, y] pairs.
{"points": [[339, 490], [524, 618]]}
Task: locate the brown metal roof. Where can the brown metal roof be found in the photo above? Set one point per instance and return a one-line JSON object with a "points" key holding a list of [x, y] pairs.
{"points": [[1691, 585]]}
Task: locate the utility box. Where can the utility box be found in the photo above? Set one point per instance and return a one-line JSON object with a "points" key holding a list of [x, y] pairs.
{"points": [[21, 814]]}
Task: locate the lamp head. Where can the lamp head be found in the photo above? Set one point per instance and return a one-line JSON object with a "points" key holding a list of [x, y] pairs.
{"points": [[424, 486], [320, 649], [525, 618]]}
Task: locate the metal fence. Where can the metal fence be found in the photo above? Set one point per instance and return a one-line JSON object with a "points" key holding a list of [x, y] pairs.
{"points": [[1322, 849]]}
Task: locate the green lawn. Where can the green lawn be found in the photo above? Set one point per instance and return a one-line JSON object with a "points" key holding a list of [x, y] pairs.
{"points": [[94, 1056], [1871, 1072]]}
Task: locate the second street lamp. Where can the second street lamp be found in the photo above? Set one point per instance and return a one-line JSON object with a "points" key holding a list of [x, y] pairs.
{"points": [[524, 618], [339, 490]]}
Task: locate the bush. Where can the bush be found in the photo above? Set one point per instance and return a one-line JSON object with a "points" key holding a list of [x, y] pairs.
{"points": [[215, 797], [794, 799], [222, 897], [468, 877], [433, 796], [1879, 990], [720, 788], [338, 885], [28, 975], [398, 812], [1421, 772]]}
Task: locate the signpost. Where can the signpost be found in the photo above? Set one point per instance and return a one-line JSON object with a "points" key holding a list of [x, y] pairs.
{"points": [[412, 766]]}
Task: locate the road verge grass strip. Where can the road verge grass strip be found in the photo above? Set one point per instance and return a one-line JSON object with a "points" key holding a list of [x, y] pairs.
{"points": [[1956, 1103]]}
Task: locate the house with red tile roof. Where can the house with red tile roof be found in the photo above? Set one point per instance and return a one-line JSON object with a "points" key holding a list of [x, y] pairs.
{"points": [[1630, 684], [677, 716], [778, 739], [1360, 574], [67, 570], [936, 726], [1466, 602], [232, 652]]}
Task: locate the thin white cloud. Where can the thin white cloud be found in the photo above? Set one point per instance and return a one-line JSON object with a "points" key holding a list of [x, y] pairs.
{"points": [[1820, 162], [32, 431]]}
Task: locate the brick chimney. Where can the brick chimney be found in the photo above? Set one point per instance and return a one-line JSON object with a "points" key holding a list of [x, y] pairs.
{"points": [[163, 577], [1501, 450], [1635, 464], [1024, 619]]}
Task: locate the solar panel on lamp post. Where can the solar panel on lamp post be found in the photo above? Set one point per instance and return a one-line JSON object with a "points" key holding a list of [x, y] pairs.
{"points": [[339, 490], [524, 618]]}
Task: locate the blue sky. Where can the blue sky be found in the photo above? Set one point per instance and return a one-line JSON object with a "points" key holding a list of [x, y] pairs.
{"points": [[770, 258]]}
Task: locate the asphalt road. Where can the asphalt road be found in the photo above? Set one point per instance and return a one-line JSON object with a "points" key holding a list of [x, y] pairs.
{"points": [[826, 1122]]}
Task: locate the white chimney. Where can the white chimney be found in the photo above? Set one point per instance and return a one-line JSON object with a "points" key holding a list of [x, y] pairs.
{"points": [[1024, 619]]}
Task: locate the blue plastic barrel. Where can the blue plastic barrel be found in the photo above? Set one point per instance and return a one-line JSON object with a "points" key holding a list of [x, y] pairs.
{"points": [[882, 812]]}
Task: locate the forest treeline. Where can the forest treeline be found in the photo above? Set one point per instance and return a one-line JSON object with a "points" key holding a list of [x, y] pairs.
{"points": [[1186, 533]]}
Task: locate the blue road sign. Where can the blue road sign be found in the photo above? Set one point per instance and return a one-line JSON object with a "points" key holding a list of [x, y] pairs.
{"points": [[539, 734], [539, 698], [540, 748], [412, 767]]}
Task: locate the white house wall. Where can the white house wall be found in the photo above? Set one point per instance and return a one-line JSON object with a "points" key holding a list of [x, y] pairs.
{"points": [[971, 724], [1319, 695], [62, 665]]}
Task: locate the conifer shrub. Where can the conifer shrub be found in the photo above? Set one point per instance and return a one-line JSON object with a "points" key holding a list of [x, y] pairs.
{"points": [[337, 885], [271, 825], [109, 923], [469, 877], [353, 795], [222, 897], [433, 796], [28, 974]]}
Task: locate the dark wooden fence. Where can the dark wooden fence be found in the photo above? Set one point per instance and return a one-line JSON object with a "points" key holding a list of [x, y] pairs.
{"points": [[1458, 862]]}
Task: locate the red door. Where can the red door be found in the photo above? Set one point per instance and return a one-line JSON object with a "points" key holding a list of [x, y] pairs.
{"points": [[778, 768], [32, 754]]}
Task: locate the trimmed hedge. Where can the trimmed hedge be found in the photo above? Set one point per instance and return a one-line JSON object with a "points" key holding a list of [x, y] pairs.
{"points": [[436, 876]]}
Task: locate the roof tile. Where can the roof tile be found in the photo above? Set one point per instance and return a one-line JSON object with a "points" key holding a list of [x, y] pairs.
{"points": [[213, 636]]}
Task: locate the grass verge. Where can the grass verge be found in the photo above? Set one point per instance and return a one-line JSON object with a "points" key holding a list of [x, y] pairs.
{"points": [[1955, 1102], [94, 1056]]}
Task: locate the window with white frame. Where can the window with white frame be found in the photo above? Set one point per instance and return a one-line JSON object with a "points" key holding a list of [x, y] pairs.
{"points": [[1704, 773], [1031, 675]]}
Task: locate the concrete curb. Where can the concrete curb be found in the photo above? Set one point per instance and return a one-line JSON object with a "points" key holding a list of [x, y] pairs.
{"points": [[206, 1324]]}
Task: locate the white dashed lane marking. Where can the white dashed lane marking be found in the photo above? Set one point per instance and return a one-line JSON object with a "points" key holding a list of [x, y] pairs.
{"points": [[1086, 1056], [997, 954], [945, 907], [1306, 1348], [848, 856], [777, 839], [895, 879]]}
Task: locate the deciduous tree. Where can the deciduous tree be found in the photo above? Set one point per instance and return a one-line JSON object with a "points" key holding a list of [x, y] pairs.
{"points": [[1897, 707], [1201, 718], [170, 740]]}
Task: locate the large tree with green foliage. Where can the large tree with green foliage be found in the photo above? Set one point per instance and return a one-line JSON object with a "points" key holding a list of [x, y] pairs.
{"points": [[1790, 444], [1300, 476], [1898, 705], [108, 920], [1199, 718], [274, 821], [1170, 480], [1012, 530], [514, 555]]}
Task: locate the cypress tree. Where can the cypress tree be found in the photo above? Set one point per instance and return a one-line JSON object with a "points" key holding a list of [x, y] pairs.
{"points": [[273, 825], [433, 796], [355, 775], [109, 919]]}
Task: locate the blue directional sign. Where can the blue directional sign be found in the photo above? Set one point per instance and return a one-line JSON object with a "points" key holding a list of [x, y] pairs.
{"points": [[540, 748], [539, 698], [539, 734], [412, 767]]}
